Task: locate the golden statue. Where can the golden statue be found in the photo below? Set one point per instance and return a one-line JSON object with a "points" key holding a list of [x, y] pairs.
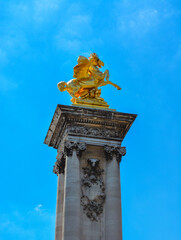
{"points": [[87, 78]]}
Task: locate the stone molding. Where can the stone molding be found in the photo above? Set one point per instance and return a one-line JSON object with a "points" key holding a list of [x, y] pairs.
{"points": [[69, 146], [110, 151], [96, 122], [79, 121]]}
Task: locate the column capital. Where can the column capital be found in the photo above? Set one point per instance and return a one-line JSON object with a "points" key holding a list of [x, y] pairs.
{"points": [[70, 146], [110, 151]]}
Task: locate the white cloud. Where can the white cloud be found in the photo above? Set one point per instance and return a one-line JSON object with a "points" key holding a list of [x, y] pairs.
{"points": [[70, 26], [139, 20], [38, 207]]}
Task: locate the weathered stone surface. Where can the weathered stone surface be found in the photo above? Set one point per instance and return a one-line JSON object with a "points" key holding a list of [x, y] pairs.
{"points": [[113, 220], [79, 121], [93, 217], [88, 142], [59, 209], [71, 211]]}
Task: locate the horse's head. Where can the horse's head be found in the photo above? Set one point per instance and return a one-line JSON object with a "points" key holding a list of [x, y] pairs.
{"points": [[94, 59], [61, 86]]}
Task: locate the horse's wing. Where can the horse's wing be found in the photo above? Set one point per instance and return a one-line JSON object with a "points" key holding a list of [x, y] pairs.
{"points": [[81, 69]]}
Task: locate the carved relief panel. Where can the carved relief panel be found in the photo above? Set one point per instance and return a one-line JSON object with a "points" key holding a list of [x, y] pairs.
{"points": [[92, 189]]}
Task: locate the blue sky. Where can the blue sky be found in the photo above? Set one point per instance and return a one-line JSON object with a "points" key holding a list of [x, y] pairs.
{"points": [[140, 43]]}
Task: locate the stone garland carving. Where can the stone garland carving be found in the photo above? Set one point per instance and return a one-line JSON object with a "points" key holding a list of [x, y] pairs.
{"points": [[93, 189], [59, 166], [93, 131], [117, 151]]}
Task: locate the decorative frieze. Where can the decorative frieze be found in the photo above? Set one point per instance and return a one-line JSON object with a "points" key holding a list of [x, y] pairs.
{"points": [[93, 189], [110, 151], [95, 131]]}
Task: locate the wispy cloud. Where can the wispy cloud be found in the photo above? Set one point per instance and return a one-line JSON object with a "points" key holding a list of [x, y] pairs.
{"points": [[30, 224], [3, 56], [38, 207], [21, 19], [43, 9], [7, 84], [78, 25], [139, 20], [74, 33], [11, 226], [69, 27], [35, 10]]}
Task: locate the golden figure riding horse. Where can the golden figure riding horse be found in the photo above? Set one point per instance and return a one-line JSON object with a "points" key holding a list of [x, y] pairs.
{"points": [[87, 78]]}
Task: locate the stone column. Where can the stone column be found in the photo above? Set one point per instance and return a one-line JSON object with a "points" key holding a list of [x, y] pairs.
{"points": [[59, 210], [59, 170], [71, 211], [113, 222]]}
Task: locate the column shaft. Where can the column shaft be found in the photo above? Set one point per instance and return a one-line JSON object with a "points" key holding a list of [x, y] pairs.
{"points": [[71, 223], [113, 226], [59, 210]]}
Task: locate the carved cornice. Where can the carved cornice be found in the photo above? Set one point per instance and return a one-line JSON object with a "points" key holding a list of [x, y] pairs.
{"points": [[110, 151], [108, 125], [70, 146]]}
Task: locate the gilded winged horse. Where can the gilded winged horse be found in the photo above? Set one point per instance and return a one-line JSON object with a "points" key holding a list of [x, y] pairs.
{"points": [[87, 78]]}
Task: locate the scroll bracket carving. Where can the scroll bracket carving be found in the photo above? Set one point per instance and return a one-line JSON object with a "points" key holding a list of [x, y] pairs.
{"points": [[111, 151], [69, 147]]}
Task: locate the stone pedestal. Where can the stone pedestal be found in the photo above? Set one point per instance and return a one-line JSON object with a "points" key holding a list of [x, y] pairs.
{"points": [[88, 143]]}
